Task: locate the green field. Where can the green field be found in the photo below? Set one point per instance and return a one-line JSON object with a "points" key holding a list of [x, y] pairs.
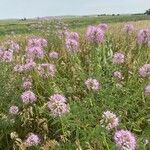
{"points": [[80, 128]]}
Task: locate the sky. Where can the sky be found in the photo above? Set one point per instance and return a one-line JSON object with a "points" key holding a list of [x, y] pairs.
{"points": [[41, 8]]}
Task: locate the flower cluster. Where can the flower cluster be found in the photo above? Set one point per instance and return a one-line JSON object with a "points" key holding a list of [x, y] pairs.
{"points": [[109, 120], [35, 47], [13, 110], [95, 34], [118, 75], [125, 140], [72, 43], [92, 84], [32, 140], [57, 105], [28, 66], [27, 83], [103, 26], [28, 97], [128, 28], [46, 70], [144, 36], [147, 90], [118, 58], [53, 55], [144, 71]]}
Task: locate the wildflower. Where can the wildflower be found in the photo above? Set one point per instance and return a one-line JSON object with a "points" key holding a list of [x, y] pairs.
{"points": [[57, 105], [95, 34], [13, 110], [30, 65], [7, 56], [28, 97], [37, 42], [118, 58], [27, 84], [72, 35], [128, 28], [53, 55], [144, 36], [144, 71], [35, 52], [13, 46], [32, 140], [103, 26], [125, 140], [19, 68], [72, 45], [58, 97], [92, 84], [118, 74], [109, 120], [46, 70], [147, 90]]}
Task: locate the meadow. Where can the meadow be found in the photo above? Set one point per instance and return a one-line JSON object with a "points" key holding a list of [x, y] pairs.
{"points": [[75, 83]]}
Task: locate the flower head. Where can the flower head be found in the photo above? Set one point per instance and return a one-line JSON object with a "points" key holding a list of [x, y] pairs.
{"points": [[147, 90], [28, 97], [53, 55], [7, 56], [32, 140], [27, 84], [144, 36], [118, 58], [118, 74], [46, 70], [103, 26], [128, 28], [72, 35], [109, 120], [92, 84], [125, 140], [144, 71], [72, 45], [95, 34], [14, 110], [57, 105]]}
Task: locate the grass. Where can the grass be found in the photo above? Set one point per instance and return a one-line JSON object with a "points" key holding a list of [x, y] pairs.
{"points": [[80, 129]]}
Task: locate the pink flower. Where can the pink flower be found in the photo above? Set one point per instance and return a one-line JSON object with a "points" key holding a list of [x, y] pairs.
{"points": [[30, 65], [28, 97], [35, 52], [144, 71], [92, 84], [19, 68], [57, 105], [95, 34], [7, 56], [72, 45], [53, 55], [147, 90], [144, 36], [103, 26], [72, 35], [27, 84], [46, 70], [125, 140], [128, 28], [109, 120], [118, 74], [118, 58], [13, 110], [32, 140], [37, 42]]}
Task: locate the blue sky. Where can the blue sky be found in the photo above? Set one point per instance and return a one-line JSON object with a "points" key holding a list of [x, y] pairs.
{"points": [[34, 8]]}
